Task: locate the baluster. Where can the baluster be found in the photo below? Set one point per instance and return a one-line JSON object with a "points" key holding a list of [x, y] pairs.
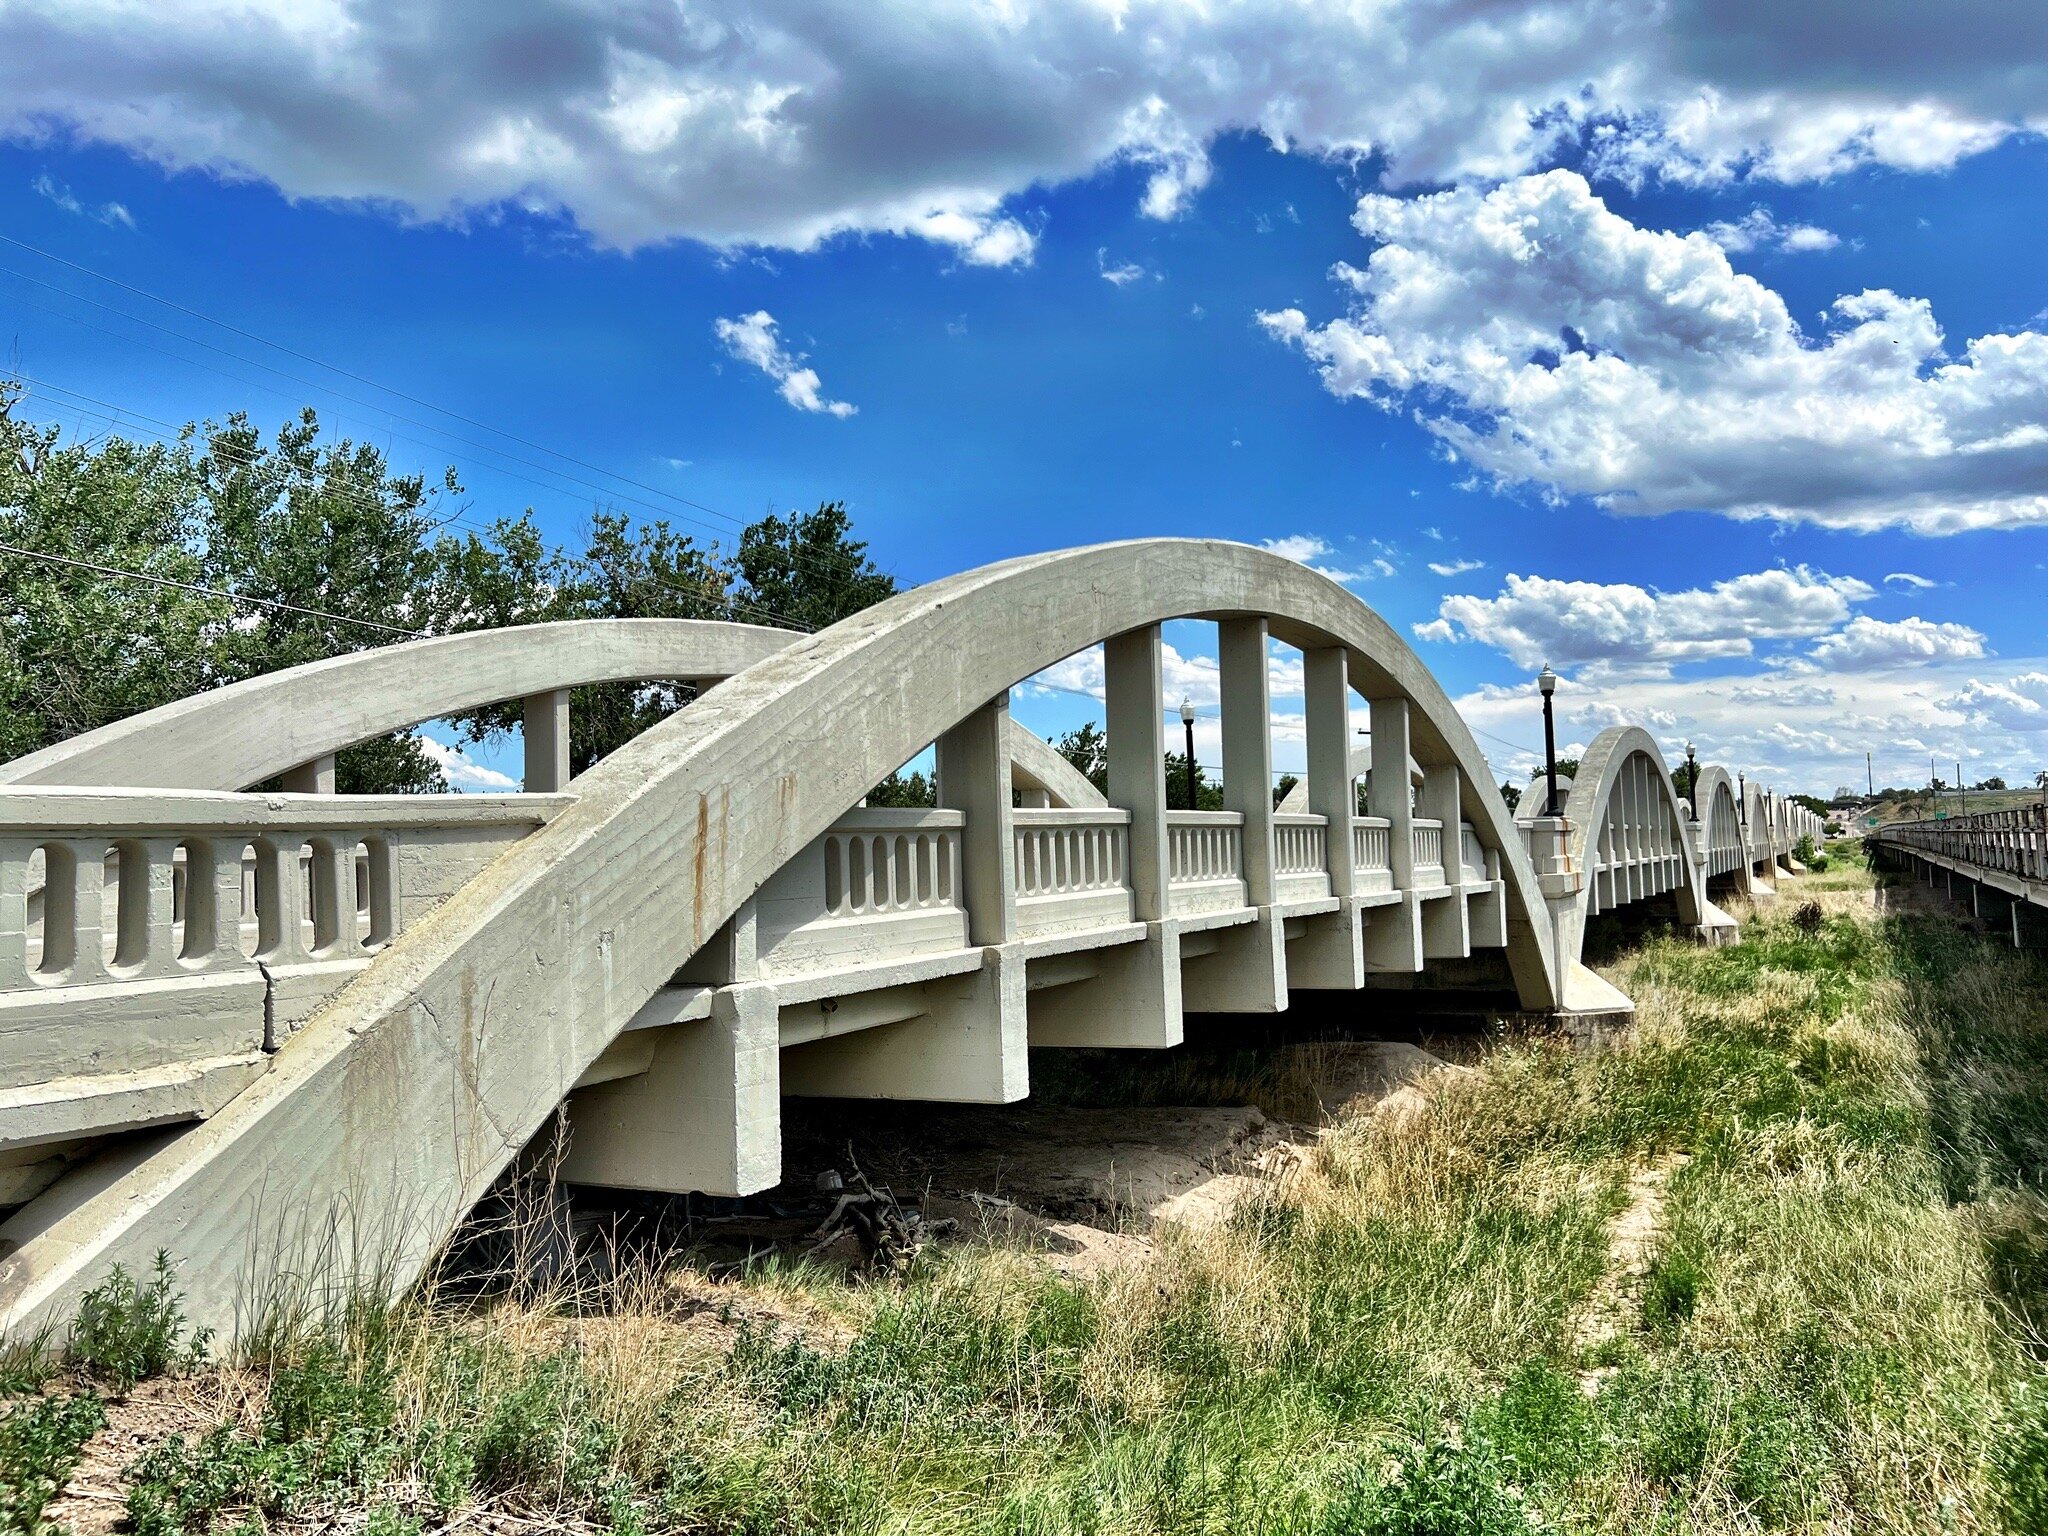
{"points": [[334, 898], [385, 913], [75, 875], [15, 855], [219, 940], [145, 942], [280, 938]]}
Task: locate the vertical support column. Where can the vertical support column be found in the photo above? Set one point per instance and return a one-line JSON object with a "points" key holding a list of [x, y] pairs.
{"points": [[1393, 936], [1332, 792], [1390, 797], [974, 777], [1248, 748], [1445, 934], [547, 741], [1246, 972], [1134, 998], [1137, 749], [1327, 955], [314, 778], [705, 1116]]}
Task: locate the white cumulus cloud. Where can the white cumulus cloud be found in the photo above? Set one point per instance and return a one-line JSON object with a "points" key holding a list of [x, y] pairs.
{"points": [[1537, 619], [1759, 229], [1552, 342], [754, 339], [741, 123], [459, 770], [1865, 642], [2017, 704]]}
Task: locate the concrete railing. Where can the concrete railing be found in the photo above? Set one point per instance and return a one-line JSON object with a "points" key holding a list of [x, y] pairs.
{"points": [[878, 885], [1472, 862], [2013, 842], [1071, 869], [1205, 861], [1301, 857], [109, 886], [1429, 852], [1372, 856]]}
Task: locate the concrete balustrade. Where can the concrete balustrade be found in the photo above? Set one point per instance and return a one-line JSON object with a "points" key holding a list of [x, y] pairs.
{"points": [[1301, 856], [699, 926], [1429, 852], [1071, 870], [1472, 862], [1205, 861], [1993, 862], [156, 946], [1372, 855]]}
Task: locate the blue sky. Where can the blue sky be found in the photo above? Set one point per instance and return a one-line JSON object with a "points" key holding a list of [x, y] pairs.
{"points": [[1790, 533]]}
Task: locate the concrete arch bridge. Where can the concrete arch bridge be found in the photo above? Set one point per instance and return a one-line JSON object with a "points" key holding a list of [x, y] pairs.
{"points": [[301, 1033]]}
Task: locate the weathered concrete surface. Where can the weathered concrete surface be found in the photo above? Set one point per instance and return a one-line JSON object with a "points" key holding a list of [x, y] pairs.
{"points": [[255, 730], [390, 1112], [681, 856]]}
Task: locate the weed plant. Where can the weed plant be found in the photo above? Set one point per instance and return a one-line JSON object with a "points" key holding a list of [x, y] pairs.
{"points": [[1834, 1325]]}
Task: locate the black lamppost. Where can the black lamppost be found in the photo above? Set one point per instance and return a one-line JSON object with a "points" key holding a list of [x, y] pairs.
{"points": [[1692, 781], [1187, 720], [1547, 681], [1742, 800]]}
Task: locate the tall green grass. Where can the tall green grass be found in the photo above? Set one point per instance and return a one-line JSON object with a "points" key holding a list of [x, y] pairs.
{"points": [[1835, 1328]]}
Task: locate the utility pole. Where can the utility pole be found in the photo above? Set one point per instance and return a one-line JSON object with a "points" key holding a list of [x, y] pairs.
{"points": [[1870, 775]]}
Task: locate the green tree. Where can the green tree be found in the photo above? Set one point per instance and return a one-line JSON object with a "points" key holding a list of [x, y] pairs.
{"points": [[911, 791], [78, 649], [1208, 794], [1087, 748], [264, 555], [317, 547], [805, 571]]}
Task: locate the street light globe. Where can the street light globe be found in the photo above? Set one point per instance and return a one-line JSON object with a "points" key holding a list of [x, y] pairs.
{"points": [[1187, 710], [1547, 680]]}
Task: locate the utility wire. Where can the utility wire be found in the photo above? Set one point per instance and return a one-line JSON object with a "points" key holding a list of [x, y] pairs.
{"points": [[118, 416], [668, 496], [205, 591]]}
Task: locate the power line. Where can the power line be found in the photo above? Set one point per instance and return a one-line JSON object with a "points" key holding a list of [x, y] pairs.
{"points": [[117, 416], [668, 496], [205, 591]]}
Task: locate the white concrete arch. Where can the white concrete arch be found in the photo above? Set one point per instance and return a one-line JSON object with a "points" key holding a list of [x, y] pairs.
{"points": [[252, 731], [1720, 843], [1631, 835], [393, 1108]]}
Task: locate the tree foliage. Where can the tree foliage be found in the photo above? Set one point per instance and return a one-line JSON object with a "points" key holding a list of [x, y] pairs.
{"points": [[1087, 748], [260, 555]]}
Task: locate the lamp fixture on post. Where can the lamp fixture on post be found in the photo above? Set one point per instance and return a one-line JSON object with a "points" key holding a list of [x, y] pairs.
{"points": [[1742, 798], [1187, 720], [1546, 680], [1692, 781]]}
